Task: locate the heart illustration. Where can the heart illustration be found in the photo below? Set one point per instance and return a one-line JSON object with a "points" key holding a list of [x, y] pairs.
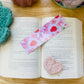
{"points": [[33, 43], [53, 29], [52, 67]]}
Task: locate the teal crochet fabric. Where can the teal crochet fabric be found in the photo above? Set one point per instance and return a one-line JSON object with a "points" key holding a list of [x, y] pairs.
{"points": [[0, 4], [5, 21]]}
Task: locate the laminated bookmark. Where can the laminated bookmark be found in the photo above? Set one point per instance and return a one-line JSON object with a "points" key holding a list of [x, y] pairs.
{"points": [[43, 34]]}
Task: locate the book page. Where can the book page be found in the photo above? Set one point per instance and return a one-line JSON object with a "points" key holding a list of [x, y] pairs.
{"points": [[79, 46], [65, 48], [16, 63]]}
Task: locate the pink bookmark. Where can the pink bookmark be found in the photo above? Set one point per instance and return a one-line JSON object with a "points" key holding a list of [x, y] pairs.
{"points": [[43, 34]]}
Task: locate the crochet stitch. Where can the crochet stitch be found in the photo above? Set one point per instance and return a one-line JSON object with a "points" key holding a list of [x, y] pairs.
{"points": [[5, 21]]}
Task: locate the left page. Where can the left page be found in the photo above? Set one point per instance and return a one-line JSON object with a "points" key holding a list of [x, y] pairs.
{"points": [[15, 61]]}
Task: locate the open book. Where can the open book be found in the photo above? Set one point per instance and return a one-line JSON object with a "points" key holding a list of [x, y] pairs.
{"points": [[65, 47]]}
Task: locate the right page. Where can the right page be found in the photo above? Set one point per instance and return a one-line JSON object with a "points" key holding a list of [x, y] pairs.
{"points": [[66, 47]]}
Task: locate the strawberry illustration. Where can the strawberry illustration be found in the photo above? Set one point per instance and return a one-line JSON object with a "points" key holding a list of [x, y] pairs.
{"points": [[53, 29]]}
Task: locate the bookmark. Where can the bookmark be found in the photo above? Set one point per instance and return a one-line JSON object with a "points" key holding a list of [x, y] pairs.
{"points": [[43, 34]]}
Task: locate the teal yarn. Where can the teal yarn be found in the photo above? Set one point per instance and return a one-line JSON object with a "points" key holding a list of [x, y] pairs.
{"points": [[0, 4], [4, 33], [5, 21]]}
